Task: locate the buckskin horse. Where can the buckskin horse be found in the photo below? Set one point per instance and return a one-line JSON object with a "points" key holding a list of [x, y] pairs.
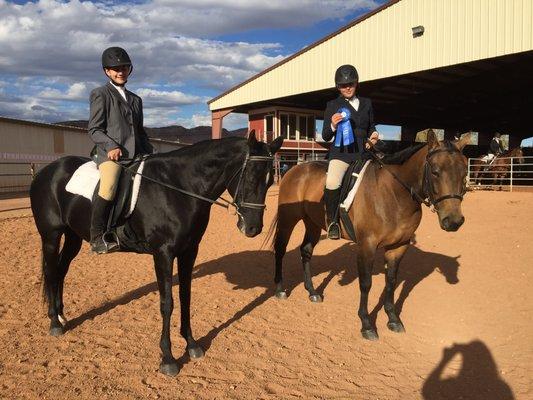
{"points": [[385, 213], [168, 223]]}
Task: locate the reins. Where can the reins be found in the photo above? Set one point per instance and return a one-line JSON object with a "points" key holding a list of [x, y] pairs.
{"points": [[225, 203]]}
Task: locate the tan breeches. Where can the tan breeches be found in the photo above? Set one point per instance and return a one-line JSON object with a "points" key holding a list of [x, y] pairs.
{"points": [[336, 171], [109, 174]]}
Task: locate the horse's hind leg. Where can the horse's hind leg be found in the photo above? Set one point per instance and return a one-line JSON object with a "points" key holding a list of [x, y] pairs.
{"points": [[283, 233], [70, 249], [393, 258], [311, 238], [51, 278]]}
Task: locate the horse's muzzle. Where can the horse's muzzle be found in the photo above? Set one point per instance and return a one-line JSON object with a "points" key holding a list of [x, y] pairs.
{"points": [[451, 224], [252, 231]]}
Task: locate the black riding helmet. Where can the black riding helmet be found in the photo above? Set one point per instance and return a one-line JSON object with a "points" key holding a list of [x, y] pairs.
{"points": [[346, 74], [115, 57]]}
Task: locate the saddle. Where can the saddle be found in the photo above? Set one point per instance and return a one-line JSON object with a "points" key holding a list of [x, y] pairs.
{"points": [[86, 182], [349, 186]]}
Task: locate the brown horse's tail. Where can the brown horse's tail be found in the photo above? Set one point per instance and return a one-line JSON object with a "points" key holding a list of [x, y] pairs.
{"points": [[271, 237]]}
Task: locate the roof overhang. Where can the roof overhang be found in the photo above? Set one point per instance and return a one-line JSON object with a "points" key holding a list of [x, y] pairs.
{"points": [[483, 95]]}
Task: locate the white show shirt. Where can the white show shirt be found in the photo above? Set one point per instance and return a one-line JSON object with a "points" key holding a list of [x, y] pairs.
{"points": [[121, 90]]}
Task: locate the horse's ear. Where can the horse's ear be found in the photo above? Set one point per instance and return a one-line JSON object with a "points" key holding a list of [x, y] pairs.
{"points": [[466, 139], [433, 141], [276, 144], [252, 141]]}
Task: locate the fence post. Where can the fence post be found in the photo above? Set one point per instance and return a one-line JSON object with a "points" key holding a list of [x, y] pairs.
{"points": [[511, 183]]}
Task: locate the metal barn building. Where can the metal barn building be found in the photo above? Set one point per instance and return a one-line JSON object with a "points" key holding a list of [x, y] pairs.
{"points": [[26, 146], [458, 65]]}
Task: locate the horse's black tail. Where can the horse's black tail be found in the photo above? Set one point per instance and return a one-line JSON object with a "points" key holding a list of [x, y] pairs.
{"points": [[271, 234], [44, 281]]}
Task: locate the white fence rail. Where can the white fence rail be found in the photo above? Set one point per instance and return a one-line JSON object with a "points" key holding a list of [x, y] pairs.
{"points": [[513, 174]]}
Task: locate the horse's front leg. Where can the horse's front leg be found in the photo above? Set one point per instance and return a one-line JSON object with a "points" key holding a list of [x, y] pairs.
{"points": [[393, 258], [163, 269], [185, 264], [365, 261]]}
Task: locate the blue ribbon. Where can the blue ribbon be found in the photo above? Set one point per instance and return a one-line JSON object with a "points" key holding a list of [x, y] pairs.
{"points": [[344, 129]]}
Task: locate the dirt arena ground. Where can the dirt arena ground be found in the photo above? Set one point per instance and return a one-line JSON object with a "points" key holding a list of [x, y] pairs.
{"points": [[465, 300]]}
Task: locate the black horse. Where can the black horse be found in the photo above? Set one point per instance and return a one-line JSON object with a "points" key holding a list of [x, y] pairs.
{"points": [[167, 224]]}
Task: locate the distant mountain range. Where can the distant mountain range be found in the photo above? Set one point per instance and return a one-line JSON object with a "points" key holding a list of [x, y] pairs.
{"points": [[173, 133]]}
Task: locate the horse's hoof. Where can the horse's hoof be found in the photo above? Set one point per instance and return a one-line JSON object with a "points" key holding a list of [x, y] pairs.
{"points": [[315, 298], [370, 334], [169, 369], [196, 352], [396, 327], [56, 331], [282, 295]]}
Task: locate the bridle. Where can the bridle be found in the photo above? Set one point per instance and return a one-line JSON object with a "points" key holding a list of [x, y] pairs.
{"points": [[243, 204], [427, 181]]}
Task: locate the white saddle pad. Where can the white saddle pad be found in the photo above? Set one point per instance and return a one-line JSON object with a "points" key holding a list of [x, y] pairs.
{"points": [[347, 203], [84, 180]]}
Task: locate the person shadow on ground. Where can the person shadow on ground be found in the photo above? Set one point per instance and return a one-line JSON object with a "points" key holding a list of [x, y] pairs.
{"points": [[478, 378]]}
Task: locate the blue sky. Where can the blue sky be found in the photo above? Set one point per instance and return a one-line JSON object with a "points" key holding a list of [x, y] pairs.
{"points": [[184, 52]]}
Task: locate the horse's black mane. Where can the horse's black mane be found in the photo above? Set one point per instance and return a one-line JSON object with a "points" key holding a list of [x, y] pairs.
{"points": [[200, 148], [402, 156]]}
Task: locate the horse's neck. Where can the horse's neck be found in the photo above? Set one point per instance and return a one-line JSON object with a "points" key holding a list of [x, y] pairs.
{"points": [[411, 172], [205, 174], [230, 160]]}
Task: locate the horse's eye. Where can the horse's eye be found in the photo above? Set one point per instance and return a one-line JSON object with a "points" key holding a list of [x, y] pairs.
{"points": [[435, 173]]}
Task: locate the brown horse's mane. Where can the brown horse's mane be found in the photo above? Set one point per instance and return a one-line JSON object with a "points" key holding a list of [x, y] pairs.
{"points": [[402, 156]]}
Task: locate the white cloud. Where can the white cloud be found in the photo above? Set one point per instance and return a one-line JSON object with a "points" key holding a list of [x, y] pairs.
{"points": [[174, 98], [76, 92], [50, 50]]}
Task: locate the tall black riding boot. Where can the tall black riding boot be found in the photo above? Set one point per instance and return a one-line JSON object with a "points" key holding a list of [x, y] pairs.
{"points": [[99, 217], [331, 198]]}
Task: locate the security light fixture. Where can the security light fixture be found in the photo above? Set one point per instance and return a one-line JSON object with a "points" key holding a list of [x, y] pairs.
{"points": [[417, 31]]}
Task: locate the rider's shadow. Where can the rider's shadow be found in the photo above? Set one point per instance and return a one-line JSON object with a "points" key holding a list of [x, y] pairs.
{"points": [[476, 379]]}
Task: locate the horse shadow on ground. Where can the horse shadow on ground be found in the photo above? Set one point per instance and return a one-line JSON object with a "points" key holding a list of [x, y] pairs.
{"points": [[477, 379], [255, 268]]}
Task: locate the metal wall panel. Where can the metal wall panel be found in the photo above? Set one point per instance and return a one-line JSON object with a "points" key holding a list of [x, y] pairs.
{"points": [[456, 31]]}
